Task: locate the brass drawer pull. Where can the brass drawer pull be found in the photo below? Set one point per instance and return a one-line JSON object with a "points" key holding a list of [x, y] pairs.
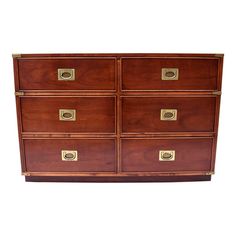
{"points": [[69, 155], [166, 155], [169, 114], [67, 115], [66, 74], [170, 73]]}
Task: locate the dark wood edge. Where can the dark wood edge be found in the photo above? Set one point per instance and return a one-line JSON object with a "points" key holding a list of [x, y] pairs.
{"points": [[118, 179], [220, 72], [216, 125], [19, 118], [16, 74], [21, 143]]}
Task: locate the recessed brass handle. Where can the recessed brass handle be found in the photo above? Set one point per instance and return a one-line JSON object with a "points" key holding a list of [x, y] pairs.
{"points": [[169, 114], [166, 155], [67, 115], [66, 74], [69, 155], [169, 73]]}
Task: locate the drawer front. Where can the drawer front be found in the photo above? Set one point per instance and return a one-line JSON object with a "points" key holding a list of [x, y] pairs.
{"points": [[152, 114], [70, 155], [73, 74], [169, 74], [68, 114], [165, 155]]}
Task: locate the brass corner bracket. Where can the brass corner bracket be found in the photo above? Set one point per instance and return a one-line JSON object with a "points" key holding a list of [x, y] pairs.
{"points": [[210, 173], [219, 55], [16, 55], [25, 173]]}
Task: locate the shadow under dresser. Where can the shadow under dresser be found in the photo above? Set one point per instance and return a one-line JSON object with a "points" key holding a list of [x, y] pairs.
{"points": [[118, 117]]}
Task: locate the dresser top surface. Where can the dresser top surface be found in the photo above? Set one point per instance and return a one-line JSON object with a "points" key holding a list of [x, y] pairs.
{"points": [[165, 55]]}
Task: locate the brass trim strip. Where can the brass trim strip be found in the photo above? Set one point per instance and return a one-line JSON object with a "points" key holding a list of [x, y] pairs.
{"points": [[113, 174], [19, 93], [217, 92]]}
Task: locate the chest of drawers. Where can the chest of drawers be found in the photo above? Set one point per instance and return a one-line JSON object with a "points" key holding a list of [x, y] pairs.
{"points": [[118, 117]]}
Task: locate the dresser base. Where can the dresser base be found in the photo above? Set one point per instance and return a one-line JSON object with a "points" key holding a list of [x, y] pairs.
{"points": [[117, 179]]}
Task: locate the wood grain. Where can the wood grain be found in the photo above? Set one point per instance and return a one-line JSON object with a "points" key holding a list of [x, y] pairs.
{"points": [[93, 114], [145, 74], [90, 74], [143, 155], [93, 155], [142, 114]]}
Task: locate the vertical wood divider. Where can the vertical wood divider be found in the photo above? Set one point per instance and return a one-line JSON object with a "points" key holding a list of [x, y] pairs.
{"points": [[118, 124]]}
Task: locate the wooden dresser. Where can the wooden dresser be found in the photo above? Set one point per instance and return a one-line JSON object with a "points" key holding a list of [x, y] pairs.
{"points": [[118, 117]]}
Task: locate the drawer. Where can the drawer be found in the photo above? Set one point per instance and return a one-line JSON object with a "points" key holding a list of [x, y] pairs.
{"points": [[67, 74], [166, 155], [169, 74], [68, 114], [48, 155], [176, 114]]}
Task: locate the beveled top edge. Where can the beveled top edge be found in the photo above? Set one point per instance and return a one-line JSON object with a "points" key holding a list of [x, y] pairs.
{"points": [[38, 55]]}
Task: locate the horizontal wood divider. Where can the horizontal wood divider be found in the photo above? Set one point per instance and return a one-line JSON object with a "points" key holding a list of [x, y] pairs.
{"points": [[141, 93], [128, 135]]}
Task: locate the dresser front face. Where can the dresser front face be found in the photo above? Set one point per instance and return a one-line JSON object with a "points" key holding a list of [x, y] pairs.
{"points": [[143, 114], [74, 155], [89, 114], [146, 74], [54, 74], [118, 117]]}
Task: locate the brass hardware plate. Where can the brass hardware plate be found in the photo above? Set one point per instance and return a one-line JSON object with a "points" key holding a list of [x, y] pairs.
{"points": [[169, 73], [69, 155], [66, 74], [67, 115], [19, 93], [166, 155], [168, 114]]}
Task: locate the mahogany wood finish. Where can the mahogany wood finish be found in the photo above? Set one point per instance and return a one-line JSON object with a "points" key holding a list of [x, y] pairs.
{"points": [[90, 74], [142, 114], [94, 155], [145, 74], [143, 154], [93, 114], [118, 132]]}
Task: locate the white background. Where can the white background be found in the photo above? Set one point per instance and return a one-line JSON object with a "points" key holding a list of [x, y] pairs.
{"points": [[197, 208]]}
